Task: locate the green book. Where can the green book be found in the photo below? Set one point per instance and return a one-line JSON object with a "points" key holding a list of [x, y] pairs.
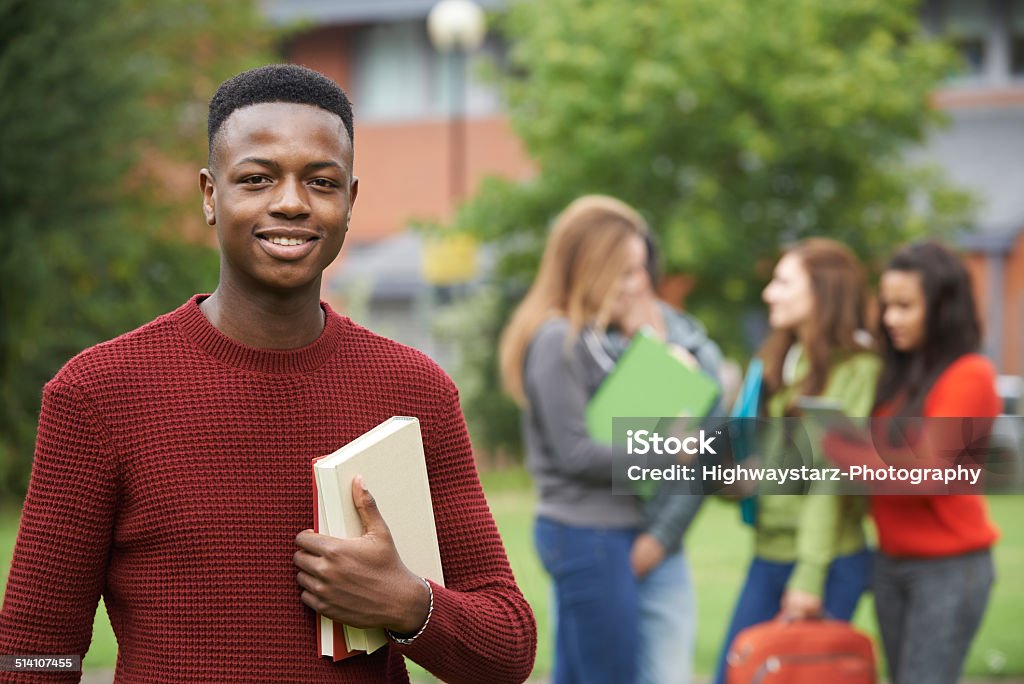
{"points": [[649, 381]]}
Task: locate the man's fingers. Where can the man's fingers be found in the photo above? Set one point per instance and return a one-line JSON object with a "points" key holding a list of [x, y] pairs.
{"points": [[366, 506], [311, 542], [309, 563], [314, 602], [311, 583]]}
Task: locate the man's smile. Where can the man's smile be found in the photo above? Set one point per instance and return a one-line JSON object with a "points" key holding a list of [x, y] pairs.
{"points": [[287, 244]]}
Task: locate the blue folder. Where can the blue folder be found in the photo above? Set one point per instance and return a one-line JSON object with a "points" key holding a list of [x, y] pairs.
{"points": [[747, 406]]}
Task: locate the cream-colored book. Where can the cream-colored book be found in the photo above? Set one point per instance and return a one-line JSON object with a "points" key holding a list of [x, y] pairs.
{"points": [[390, 458]]}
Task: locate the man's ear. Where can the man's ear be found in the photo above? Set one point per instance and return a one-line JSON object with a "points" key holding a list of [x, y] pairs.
{"points": [[353, 190], [207, 187]]}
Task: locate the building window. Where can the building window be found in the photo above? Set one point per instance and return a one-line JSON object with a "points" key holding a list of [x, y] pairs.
{"points": [[392, 72], [400, 77], [1017, 38], [988, 34], [965, 23]]}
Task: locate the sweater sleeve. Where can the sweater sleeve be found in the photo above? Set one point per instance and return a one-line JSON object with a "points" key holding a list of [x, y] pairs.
{"points": [[555, 386], [961, 407], [853, 384], [671, 515], [815, 543], [481, 629], [60, 557], [960, 410], [966, 389]]}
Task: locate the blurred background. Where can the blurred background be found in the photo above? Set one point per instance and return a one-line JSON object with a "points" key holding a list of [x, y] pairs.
{"points": [[733, 126]]}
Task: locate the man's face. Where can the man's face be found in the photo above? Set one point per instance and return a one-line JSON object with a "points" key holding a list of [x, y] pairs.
{"points": [[280, 191]]}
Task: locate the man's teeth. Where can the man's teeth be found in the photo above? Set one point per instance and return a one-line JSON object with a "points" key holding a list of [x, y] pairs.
{"points": [[286, 242]]}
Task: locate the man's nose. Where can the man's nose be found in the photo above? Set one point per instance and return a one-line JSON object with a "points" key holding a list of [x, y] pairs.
{"points": [[291, 199]]}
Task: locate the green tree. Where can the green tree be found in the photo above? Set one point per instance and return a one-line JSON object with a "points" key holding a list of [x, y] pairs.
{"points": [[103, 102], [734, 126]]}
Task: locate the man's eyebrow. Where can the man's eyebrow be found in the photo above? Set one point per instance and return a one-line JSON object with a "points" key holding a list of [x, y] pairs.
{"points": [[274, 165], [257, 160], [325, 165]]}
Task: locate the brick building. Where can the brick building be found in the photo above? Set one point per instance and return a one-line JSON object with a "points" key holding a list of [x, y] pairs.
{"points": [[378, 50]]}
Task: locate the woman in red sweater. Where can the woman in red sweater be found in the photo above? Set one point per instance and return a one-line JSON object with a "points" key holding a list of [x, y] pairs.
{"points": [[934, 570]]}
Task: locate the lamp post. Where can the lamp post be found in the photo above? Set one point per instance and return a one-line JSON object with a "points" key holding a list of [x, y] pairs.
{"points": [[456, 29]]}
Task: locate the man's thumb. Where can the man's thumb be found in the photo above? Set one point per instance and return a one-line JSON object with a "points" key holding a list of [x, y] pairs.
{"points": [[366, 506]]}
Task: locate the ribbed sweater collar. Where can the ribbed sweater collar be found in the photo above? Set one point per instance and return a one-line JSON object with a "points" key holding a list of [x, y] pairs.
{"points": [[190, 319]]}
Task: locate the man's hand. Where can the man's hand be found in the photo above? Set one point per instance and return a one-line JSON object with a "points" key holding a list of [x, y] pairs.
{"points": [[361, 581], [800, 605], [646, 554]]}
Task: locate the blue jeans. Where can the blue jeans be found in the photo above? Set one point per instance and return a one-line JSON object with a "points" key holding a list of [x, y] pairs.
{"points": [[668, 623], [597, 602], [761, 598]]}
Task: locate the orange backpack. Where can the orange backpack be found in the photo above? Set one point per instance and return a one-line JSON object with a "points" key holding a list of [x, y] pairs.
{"points": [[801, 652]]}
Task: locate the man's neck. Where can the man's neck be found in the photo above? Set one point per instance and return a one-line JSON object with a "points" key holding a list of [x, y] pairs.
{"points": [[265, 321]]}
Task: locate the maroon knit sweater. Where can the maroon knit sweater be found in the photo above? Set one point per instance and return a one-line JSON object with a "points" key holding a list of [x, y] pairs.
{"points": [[172, 474]]}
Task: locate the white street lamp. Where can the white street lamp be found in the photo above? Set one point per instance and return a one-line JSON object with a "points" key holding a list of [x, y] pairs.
{"points": [[456, 24], [456, 29]]}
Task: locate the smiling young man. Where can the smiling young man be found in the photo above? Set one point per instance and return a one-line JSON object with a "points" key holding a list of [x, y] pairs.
{"points": [[172, 466]]}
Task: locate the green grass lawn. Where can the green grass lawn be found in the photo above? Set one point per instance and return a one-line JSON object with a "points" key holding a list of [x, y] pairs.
{"points": [[719, 548]]}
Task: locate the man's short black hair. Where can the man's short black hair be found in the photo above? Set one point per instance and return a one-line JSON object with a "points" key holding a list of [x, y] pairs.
{"points": [[277, 83]]}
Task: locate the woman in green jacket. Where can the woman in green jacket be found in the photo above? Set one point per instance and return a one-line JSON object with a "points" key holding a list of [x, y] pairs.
{"points": [[810, 553]]}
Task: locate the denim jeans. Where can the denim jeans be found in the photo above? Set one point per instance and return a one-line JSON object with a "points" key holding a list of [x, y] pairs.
{"points": [[597, 602], [668, 623], [929, 610], [761, 598]]}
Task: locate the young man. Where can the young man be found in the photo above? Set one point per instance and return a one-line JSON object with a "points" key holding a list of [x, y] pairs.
{"points": [[172, 470]]}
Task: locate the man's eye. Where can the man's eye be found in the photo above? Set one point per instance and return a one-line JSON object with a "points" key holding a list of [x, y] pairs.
{"points": [[255, 180], [324, 183]]}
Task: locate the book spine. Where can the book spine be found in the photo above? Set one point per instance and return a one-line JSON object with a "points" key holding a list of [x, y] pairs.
{"points": [[330, 634], [320, 626]]}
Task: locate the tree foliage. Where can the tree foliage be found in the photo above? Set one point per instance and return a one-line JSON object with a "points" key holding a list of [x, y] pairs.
{"points": [[734, 126], [104, 102]]}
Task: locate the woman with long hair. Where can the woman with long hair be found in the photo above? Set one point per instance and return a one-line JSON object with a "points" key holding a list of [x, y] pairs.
{"points": [[810, 552], [592, 543], [934, 570]]}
